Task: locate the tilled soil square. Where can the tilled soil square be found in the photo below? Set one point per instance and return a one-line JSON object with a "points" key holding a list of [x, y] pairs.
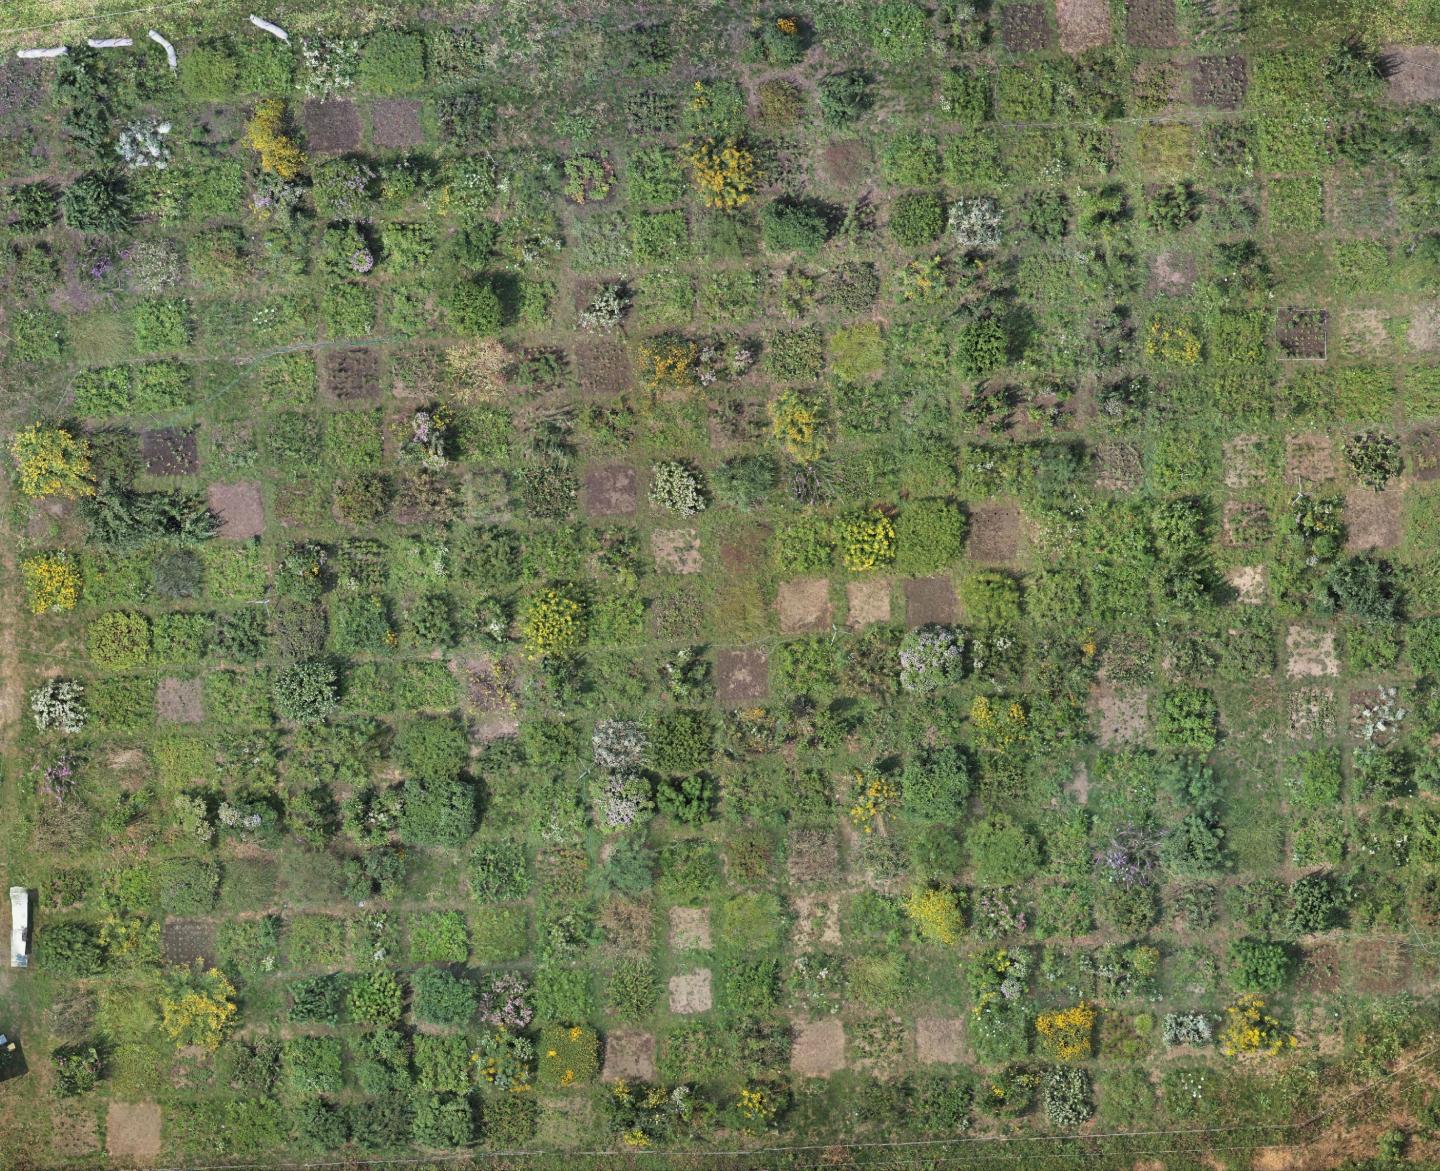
{"points": [[1309, 459], [804, 605], [629, 1056], [241, 509], [929, 601], [603, 369], [1122, 714], [742, 677], [867, 601], [994, 533], [939, 1040], [395, 124], [676, 550], [612, 490], [183, 941], [1151, 24], [178, 701], [1422, 454], [690, 992], [1024, 29], [1300, 333], [818, 1048], [1084, 24], [330, 127], [689, 928], [1423, 332], [1173, 273], [1219, 82], [1250, 583], [132, 1131], [350, 376], [1372, 519], [1244, 524], [1412, 73], [170, 451], [1310, 652]]}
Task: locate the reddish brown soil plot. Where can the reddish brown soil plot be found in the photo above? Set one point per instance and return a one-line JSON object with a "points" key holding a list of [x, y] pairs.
{"points": [[330, 127]]}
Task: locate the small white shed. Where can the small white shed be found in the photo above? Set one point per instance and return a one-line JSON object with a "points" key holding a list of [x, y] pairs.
{"points": [[19, 927]]}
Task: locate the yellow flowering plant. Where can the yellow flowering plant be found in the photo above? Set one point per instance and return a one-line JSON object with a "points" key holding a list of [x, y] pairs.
{"points": [[267, 136], [870, 796], [936, 915], [52, 462], [52, 582], [795, 421], [723, 172], [554, 624], [1248, 1028], [867, 541], [197, 1007], [1067, 1034]]}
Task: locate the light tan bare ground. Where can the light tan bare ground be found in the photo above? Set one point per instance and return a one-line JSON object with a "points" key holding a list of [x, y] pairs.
{"points": [[742, 676], [676, 550], [1309, 459], [74, 1131], [818, 1049], [1414, 73], [629, 1054], [1361, 333], [1244, 457], [1078, 786], [867, 601], [1172, 273], [1423, 333], [690, 928], [939, 1040], [1084, 24], [241, 510], [1372, 519], [690, 992], [178, 701], [817, 921], [804, 605], [132, 1131], [1123, 714], [1310, 652], [1250, 583]]}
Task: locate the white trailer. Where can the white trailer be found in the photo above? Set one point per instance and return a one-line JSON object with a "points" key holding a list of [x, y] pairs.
{"points": [[19, 927]]}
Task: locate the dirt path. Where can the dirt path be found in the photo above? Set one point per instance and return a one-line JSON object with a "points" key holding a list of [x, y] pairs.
{"points": [[12, 690]]}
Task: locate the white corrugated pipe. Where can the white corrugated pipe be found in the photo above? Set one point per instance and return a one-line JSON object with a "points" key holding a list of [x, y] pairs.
{"points": [[109, 42], [38, 54], [273, 29], [167, 46]]}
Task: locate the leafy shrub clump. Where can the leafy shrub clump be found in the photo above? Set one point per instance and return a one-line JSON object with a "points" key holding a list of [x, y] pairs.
{"points": [[677, 487], [51, 461], [119, 640], [917, 218], [931, 657], [553, 625], [788, 225], [306, 692]]}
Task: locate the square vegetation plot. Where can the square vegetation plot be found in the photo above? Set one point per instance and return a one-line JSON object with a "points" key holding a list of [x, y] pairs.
{"points": [[939, 593]]}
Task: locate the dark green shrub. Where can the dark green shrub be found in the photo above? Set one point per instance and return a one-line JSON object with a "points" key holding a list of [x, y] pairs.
{"points": [[391, 62], [97, 203], [936, 784], [682, 741], [917, 218], [1257, 965], [475, 307], [440, 998], [844, 97], [313, 1065], [929, 536], [787, 225], [68, 949], [431, 748], [306, 692], [318, 998], [441, 811], [1002, 851]]}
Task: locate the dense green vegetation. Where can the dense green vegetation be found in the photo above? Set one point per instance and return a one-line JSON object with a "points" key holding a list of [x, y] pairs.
{"points": [[725, 580]]}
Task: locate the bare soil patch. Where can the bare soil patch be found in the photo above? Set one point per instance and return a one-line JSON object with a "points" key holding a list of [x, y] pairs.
{"points": [[1360, 333], [994, 533], [1422, 454], [350, 376], [1372, 519], [1250, 583], [690, 992], [939, 1040], [1412, 73], [1118, 466], [330, 127], [241, 509], [1244, 523], [817, 921], [1423, 332], [746, 553], [813, 857], [867, 601], [1300, 333], [1151, 24], [742, 676], [395, 124], [689, 928], [676, 550], [1024, 29], [1172, 273], [132, 1131], [629, 1054], [1379, 967], [74, 1131], [804, 605], [170, 451], [1219, 82], [1084, 24], [1077, 788], [602, 369], [1310, 652], [1244, 460], [818, 1048], [1319, 970], [23, 86], [846, 164], [1123, 713], [929, 600], [488, 683], [611, 490], [1309, 459], [178, 701], [1312, 713], [183, 941]]}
